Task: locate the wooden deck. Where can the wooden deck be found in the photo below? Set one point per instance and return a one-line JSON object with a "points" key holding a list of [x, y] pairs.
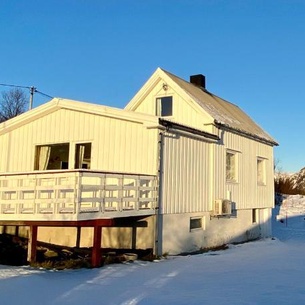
{"points": [[75, 195]]}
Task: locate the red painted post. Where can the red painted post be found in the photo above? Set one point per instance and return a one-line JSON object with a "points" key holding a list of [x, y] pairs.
{"points": [[32, 243], [96, 251]]}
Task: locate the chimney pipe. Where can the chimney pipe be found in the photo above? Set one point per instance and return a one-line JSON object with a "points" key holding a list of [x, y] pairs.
{"points": [[198, 80]]}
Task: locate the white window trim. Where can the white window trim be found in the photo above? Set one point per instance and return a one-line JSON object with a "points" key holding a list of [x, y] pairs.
{"points": [[202, 219], [158, 105], [235, 153], [262, 181]]}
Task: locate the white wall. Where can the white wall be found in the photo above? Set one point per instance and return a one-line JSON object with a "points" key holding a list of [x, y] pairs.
{"points": [[177, 237], [117, 144], [186, 174], [246, 192], [184, 110]]}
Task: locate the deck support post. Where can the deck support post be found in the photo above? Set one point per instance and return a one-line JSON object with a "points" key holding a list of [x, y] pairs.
{"points": [[96, 250], [32, 243], [78, 235], [134, 237]]}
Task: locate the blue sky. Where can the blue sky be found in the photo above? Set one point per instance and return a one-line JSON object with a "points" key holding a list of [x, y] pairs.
{"points": [[252, 53]]}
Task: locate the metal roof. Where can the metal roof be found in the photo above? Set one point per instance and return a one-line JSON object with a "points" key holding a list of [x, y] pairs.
{"points": [[226, 115]]}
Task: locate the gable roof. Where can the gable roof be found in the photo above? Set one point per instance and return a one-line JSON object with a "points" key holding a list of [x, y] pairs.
{"points": [[225, 114], [60, 103]]}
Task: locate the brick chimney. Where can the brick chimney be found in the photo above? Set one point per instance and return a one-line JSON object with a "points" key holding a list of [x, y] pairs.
{"points": [[198, 80]]}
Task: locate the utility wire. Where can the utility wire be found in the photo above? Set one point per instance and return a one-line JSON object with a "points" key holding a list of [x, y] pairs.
{"points": [[46, 95], [32, 91], [8, 85], [27, 87]]}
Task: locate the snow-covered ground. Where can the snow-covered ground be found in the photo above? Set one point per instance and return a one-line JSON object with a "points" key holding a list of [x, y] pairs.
{"points": [[269, 272]]}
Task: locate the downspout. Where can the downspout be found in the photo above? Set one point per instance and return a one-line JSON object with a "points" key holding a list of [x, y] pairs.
{"points": [[159, 208]]}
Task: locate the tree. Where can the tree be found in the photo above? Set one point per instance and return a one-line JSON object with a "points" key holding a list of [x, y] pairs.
{"points": [[13, 103]]}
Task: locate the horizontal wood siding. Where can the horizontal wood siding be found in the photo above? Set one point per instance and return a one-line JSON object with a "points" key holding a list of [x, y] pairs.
{"points": [[186, 172], [246, 192], [117, 145]]}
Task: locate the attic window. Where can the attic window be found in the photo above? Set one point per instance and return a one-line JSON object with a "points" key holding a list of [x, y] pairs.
{"points": [[164, 106]]}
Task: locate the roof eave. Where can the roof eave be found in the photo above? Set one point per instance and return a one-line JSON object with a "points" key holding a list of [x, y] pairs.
{"points": [[245, 133], [169, 124]]}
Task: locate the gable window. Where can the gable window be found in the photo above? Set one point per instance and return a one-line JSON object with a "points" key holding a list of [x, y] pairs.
{"points": [[164, 106], [231, 166], [55, 156], [83, 155], [261, 171]]}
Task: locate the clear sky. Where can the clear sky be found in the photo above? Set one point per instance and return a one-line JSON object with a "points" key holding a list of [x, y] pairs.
{"points": [[252, 53]]}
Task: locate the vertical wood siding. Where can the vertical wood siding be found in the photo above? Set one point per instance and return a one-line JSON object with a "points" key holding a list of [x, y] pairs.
{"points": [[183, 112], [4, 144], [117, 145], [246, 193], [186, 174]]}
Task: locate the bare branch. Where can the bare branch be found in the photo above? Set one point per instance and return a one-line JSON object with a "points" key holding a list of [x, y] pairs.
{"points": [[13, 103]]}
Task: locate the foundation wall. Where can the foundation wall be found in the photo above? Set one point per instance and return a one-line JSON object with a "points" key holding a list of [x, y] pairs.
{"points": [[138, 236], [178, 237]]}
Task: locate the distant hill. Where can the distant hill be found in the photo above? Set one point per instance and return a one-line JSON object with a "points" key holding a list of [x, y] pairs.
{"points": [[291, 184]]}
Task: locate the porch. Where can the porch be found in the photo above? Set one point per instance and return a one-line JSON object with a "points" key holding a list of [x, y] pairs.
{"points": [[74, 198], [75, 195]]}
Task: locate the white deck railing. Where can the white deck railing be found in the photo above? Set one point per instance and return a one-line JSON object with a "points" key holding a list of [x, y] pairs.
{"points": [[75, 195]]}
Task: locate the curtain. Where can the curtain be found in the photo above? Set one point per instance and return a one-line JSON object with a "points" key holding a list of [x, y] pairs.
{"points": [[81, 154], [44, 156]]}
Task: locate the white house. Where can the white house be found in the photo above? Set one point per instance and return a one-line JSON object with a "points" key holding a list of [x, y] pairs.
{"points": [[177, 170]]}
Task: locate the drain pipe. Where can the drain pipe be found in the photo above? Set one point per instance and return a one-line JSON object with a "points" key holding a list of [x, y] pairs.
{"points": [[159, 208]]}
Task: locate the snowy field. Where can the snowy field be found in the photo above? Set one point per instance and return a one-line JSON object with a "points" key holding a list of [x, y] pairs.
{"points": [[263, 272]]}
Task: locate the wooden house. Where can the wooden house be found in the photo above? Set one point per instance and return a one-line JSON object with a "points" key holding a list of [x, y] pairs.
{"points": [[177, 170]]}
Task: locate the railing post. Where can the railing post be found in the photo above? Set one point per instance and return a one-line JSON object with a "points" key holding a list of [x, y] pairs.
{"points": [[102, 193], [120, 192], [77, 192], [137, 194], [56, 196]]}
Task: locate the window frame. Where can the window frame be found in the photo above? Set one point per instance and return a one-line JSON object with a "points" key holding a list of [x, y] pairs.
{"points": [[159, 108], [231, 178], [50, 156], [194, 223], [47, 154], [261, 167], [77, 156], [255, 216]]}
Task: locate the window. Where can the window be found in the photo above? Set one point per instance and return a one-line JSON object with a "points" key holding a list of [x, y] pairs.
{"points": [[254, 215], [261, 172], [231, 166], [195, 223], [83, 155], [164, 106], [55, 156]]}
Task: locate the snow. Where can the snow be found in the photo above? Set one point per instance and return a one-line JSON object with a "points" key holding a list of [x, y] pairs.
{"points": [[268, 271]]}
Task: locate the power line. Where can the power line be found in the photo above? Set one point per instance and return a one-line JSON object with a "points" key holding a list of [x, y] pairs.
{"points": [[46, 95], [9, 85], [32, 91]]}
